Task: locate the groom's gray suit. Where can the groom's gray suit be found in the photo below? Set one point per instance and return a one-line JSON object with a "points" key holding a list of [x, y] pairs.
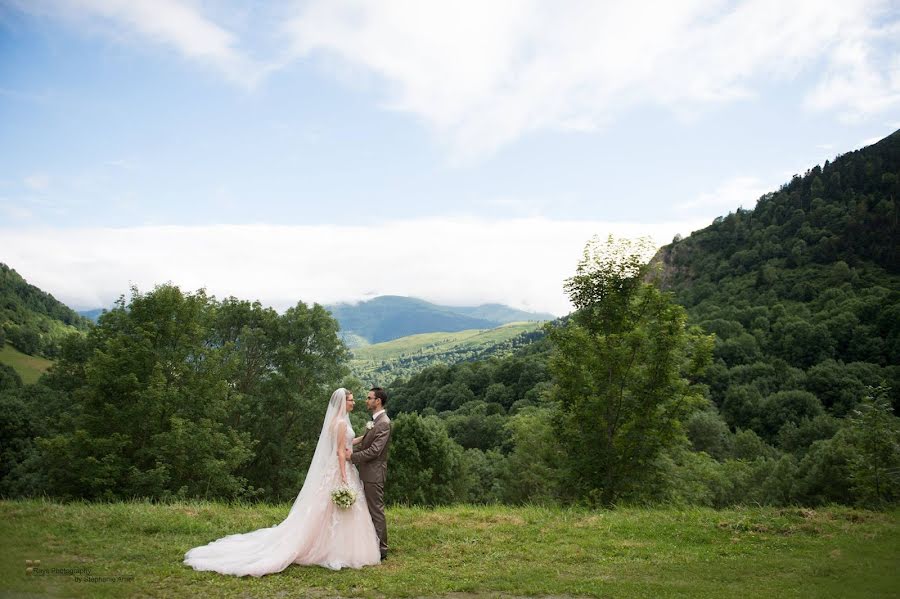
{"points": [[371, 455]]}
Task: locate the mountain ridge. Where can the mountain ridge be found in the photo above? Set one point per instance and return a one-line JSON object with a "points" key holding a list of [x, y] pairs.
{"points": [[388, 317]]}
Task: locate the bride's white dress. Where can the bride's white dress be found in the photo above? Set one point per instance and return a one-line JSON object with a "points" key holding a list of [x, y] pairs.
{"points": [[316, 531]]}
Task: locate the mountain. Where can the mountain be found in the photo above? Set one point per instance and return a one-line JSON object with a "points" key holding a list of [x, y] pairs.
{"points": [[391, 317], [32, 320]]}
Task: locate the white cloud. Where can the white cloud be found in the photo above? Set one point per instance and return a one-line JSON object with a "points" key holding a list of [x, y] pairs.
{"points": [[177, 24], [860, 81], [730, 194], [482, 74], [455, 261]]}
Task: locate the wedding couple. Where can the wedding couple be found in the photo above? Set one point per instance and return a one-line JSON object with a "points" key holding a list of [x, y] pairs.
{"points": [[317, 531]]}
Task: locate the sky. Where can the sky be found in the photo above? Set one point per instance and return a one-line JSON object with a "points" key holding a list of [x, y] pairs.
{"points": [[461, 152]]}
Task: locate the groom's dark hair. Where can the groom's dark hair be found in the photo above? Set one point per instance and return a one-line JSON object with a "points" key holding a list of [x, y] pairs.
{"points": [[380, 394]]}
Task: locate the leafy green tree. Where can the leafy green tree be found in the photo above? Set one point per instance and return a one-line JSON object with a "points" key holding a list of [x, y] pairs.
{"points": [[26, 340], [452, 396], [747, 445], [426, 464], [875, 471], [618, 365], [477, 425], [153, 407], [796, 437], [483, 471], [708, 432], [9, 378], [283, 368], [786, 407], [534, 470]]}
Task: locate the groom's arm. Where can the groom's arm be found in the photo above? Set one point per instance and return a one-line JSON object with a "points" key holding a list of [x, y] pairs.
{"points": [[382, 434]]}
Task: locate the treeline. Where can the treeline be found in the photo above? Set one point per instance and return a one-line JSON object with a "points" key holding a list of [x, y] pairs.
{"points": [[33, 321]]}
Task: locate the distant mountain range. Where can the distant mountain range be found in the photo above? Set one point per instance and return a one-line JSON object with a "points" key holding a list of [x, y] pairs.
{"points": [[390, 317]]}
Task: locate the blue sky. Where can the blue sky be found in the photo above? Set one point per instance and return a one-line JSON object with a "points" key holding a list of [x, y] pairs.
{"points": [[462, 152]]}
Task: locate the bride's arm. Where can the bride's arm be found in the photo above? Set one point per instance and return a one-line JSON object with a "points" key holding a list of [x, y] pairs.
{"points": [[357, 440], [342, 456]]}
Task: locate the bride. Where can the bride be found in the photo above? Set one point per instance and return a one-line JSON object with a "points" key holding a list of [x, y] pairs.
{"points": [[316, 531]]}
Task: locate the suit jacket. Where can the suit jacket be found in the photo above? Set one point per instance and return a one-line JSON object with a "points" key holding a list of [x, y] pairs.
{"points": [[371, 454]]}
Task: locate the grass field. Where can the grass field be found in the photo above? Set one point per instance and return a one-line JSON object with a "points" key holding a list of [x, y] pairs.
{"points": [[30, 368], [467, 552], [369, 361]]}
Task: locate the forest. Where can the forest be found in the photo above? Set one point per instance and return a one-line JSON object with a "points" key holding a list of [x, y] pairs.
{"points": [[752, 362]]}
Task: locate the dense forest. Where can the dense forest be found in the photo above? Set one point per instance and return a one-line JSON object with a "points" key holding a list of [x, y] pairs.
{"points": [[755, 361], [33, 321]]}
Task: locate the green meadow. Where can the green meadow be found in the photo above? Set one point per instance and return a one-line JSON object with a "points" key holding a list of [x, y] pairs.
{"points": [[135, 549], [29, 368], [406, 355]]}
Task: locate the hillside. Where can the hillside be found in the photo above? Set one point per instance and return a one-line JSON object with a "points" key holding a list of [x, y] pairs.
{"points": [[391, 317], [383, 362], [806, 284], [32, 320]]}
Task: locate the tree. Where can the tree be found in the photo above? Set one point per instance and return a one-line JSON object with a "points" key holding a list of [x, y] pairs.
{"points": [[152, 406], [282, 368], [535, 467], [426, 464], [618, 365], [875, 471]]}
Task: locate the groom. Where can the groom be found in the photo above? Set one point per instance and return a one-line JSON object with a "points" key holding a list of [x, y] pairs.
{"points": [[370, 455]]}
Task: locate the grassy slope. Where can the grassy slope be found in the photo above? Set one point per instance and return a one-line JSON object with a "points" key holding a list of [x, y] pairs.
{"points": [[368, 358], [758, 552], [432, 343], [30, 368]]}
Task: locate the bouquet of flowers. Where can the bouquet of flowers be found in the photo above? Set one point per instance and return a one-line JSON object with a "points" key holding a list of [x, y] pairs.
{"points": [[343, 497]]}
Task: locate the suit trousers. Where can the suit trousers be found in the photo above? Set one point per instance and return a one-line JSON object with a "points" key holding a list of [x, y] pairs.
{"points": [[375, 500]]}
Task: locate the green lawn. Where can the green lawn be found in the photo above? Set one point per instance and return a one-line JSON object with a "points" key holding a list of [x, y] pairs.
{"points": [[30, 368], [665, 552]]}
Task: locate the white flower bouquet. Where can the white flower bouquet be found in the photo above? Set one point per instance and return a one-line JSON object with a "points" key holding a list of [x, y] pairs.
{"points": [[343, 497]]}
